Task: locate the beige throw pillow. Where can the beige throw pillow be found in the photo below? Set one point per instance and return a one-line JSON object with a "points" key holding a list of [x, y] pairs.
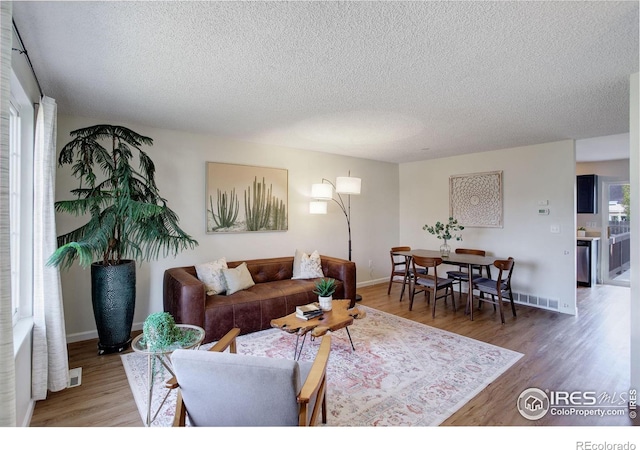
{"points": [[237, 279], [210, 274], [307, 266]]}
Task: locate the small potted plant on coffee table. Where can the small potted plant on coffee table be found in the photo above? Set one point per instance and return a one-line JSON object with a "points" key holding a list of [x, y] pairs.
{"points": [[325, 287]]}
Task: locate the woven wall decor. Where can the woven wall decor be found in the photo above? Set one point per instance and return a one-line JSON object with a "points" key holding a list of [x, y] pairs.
{"points": [[475, 200]]}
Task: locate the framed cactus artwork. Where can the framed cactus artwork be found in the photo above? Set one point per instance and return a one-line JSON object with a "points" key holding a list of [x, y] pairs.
{"points": [[242, 198]]}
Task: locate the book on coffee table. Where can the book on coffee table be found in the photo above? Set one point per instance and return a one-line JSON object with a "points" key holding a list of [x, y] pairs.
{"points": [[308, 309], [308, 316]]}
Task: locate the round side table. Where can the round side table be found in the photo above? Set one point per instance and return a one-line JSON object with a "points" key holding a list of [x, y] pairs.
{"points": [[138, 345]]}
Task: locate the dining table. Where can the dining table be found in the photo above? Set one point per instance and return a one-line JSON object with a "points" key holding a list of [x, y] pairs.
{"points": [[457, 259]]}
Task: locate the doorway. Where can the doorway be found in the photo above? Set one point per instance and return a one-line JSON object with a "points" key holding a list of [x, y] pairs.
{"points": [[616, 248]]}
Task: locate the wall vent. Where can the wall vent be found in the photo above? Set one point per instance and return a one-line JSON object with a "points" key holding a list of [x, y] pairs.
{"points": [[75, 377], [535, 301]]}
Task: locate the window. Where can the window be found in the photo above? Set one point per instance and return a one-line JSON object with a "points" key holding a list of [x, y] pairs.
{"points": [[14, 206], [21, 139]]}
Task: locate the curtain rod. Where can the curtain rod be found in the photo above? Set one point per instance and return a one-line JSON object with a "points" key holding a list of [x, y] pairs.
{"points": [[26, 55]]}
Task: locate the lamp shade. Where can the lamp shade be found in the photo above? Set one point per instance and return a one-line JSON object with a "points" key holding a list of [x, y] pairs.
{"points": [[318, 207], [321, 191], [348, 185]]}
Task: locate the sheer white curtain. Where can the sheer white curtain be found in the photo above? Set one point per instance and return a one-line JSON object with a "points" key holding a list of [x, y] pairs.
{"points": [[50, 366], [7, 363]]}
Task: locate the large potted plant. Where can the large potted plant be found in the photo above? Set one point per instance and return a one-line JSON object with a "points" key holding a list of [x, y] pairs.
{"points": [[128, 221]]}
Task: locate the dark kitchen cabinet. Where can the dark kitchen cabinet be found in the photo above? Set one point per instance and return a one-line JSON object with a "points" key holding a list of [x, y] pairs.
{"points": [[587, 194]]}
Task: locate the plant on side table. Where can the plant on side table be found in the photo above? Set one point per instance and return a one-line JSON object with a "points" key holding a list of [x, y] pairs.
{"points": [[445, 231], [161, 333], [127, 220], [325, 287]]}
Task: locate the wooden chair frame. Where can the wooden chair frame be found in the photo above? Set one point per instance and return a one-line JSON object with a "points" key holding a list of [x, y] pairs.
{"points": [[502, 287], [459, 276], [315, 385], [434, 283], [399, 268]]}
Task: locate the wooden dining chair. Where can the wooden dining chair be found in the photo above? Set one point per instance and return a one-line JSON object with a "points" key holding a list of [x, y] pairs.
{"points": [[422, 281], [401, 271], [461, 275], [499, 289]]}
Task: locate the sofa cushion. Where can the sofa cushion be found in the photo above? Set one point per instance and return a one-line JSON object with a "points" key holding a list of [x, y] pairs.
{"points": [[211, 275], [306, 266], [237, 279]]}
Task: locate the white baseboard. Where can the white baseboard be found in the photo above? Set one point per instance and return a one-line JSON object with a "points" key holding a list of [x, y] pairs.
{"points": [[93, 334], [29, 415], [372, 282]]}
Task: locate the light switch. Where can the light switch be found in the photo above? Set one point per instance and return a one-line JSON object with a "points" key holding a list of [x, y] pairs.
{"points": [[555, 228]]}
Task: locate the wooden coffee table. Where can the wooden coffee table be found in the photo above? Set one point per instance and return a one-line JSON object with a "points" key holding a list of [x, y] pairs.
{"points": [[339, 317]]}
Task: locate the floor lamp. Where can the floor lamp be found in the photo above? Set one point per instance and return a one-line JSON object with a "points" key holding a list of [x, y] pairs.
{"points": [[322, 193]]}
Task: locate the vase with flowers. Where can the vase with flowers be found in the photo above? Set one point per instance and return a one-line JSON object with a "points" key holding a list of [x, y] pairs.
{"points": [[445, 231]]}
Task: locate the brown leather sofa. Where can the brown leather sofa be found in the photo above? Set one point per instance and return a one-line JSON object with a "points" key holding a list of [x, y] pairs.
{"points": [[274, 295]]}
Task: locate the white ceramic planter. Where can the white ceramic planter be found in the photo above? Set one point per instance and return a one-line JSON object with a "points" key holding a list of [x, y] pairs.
{"points": [[325, 303]]}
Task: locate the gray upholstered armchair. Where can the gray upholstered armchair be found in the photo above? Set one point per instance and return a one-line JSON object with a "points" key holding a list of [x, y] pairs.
{"points": [[218, 388]]}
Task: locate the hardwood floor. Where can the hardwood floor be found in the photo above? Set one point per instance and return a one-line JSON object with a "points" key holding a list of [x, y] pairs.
{"points": [[588, 352]]}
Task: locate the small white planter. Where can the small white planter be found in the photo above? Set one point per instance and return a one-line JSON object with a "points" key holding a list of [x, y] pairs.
{"points": [[325, 303], [582, 233]]}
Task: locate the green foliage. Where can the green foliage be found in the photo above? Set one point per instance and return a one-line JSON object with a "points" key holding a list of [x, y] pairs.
{"points": [[626, 200], [279, 215], [263, 211], [161, 333], [257, 206], [446, 231], [127, 217], [227, 209], [325, 287]]}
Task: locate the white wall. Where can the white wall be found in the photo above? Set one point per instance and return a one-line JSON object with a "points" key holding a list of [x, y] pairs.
{"points": [[634, 168], [180, 162], [545, 261]]}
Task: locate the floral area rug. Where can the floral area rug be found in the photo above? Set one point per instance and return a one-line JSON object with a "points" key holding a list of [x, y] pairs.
{"points": [[402, 373]]}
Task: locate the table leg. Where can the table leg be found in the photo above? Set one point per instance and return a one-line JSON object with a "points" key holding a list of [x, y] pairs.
{"points": [[151, 361], [349, 334], [470, 292], [296, 353], [150, 387]]}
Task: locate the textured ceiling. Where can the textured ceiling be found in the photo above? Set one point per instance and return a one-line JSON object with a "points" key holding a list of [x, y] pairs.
{"points": [[391, 81]]}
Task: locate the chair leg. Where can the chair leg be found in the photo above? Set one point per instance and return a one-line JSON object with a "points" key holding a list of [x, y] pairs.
{"points": [[433, 310], [453, 298], [500, 306], [390, 283], [404, 284], [513, 306], [412, 294]]}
